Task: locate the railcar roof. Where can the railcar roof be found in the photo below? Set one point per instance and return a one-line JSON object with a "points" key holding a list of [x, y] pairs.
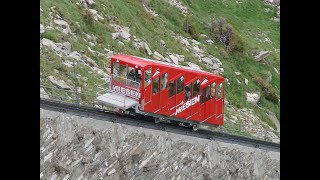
{"points": [[143, 62]]}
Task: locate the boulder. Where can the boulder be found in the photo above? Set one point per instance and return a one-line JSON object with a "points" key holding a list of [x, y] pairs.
{"points": [[195, 42], [91, 61], [60, 22], [209, 41], [253, 98], [87, 3], [193, 66], [215, 60], [147, 49], [42, 29], [207, 60], [115, 35], [59, 83], [75, 55], [158, 56], [125, 35], [162, 43], [246, 81], [121, 43], [48, 43], [43, 94], [174, 59], [262, 55], [269, 78], [95, 15]]}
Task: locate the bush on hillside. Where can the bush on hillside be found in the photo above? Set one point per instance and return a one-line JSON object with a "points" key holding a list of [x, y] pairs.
{"points": [[51, 35], [269, 93], [100, 39], [225, 33], [223, 53], [190, 28], [86, 15]]}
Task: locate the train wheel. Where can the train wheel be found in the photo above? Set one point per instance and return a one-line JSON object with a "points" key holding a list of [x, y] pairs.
{"points": [[132, 112], [195, 127]]}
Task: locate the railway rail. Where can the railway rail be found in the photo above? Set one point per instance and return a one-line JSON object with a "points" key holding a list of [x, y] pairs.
{"points": [[105, 115]]}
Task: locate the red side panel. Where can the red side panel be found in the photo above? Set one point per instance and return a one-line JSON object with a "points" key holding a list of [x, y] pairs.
{"points": [[164, 101]]}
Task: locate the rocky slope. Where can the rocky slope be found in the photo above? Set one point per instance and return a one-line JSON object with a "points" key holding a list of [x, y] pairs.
{"points": [[73, 147]]}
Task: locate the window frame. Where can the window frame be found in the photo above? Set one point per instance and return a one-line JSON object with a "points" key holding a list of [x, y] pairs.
{"points": [[166, 77], [153, 87], [196, 82], [174, 82], [145, 77], [181, 79], [219, 91], [213, 87]]}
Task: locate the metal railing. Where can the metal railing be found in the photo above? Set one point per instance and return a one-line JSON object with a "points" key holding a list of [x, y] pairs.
{"points": [[119, 85]]}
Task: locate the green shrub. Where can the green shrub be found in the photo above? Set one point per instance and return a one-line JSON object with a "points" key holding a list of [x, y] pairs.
{"points": [[269, 93], [190, 28], [223, 52], [86, 15], [236, 44], [51, 35], [100, 39], [225, 33]]}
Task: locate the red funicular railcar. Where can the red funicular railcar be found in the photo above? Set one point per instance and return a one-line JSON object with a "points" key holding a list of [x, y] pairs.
{"points": [[165, 91]]}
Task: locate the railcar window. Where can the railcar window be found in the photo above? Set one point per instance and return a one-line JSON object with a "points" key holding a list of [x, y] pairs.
{"points": [[220, 91], [147, 77], [208, 93], [115, 67], [202, 96], [180, 84], [188, 92], [122, 70], [164, 81], [156, 85], [172, 88], [213, 90], [196, 88]]}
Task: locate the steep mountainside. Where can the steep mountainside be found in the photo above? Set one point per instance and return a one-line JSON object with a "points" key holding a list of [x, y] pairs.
{"points": [[239, 40]]}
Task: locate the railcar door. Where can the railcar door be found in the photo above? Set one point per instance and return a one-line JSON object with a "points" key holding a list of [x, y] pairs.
{"points": [[220, 103]]}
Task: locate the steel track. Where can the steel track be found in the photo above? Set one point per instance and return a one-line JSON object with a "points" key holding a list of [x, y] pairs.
{"points": [[102, 114]]}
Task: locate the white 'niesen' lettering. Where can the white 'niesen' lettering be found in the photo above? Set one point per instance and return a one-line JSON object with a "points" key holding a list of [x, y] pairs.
{"points": [[126, 91], [187, 104]]}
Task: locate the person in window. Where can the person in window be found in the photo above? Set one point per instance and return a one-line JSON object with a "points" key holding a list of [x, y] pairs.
{"points": [[131, 75], [208, 96], [138, 75], [188, 93]]}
